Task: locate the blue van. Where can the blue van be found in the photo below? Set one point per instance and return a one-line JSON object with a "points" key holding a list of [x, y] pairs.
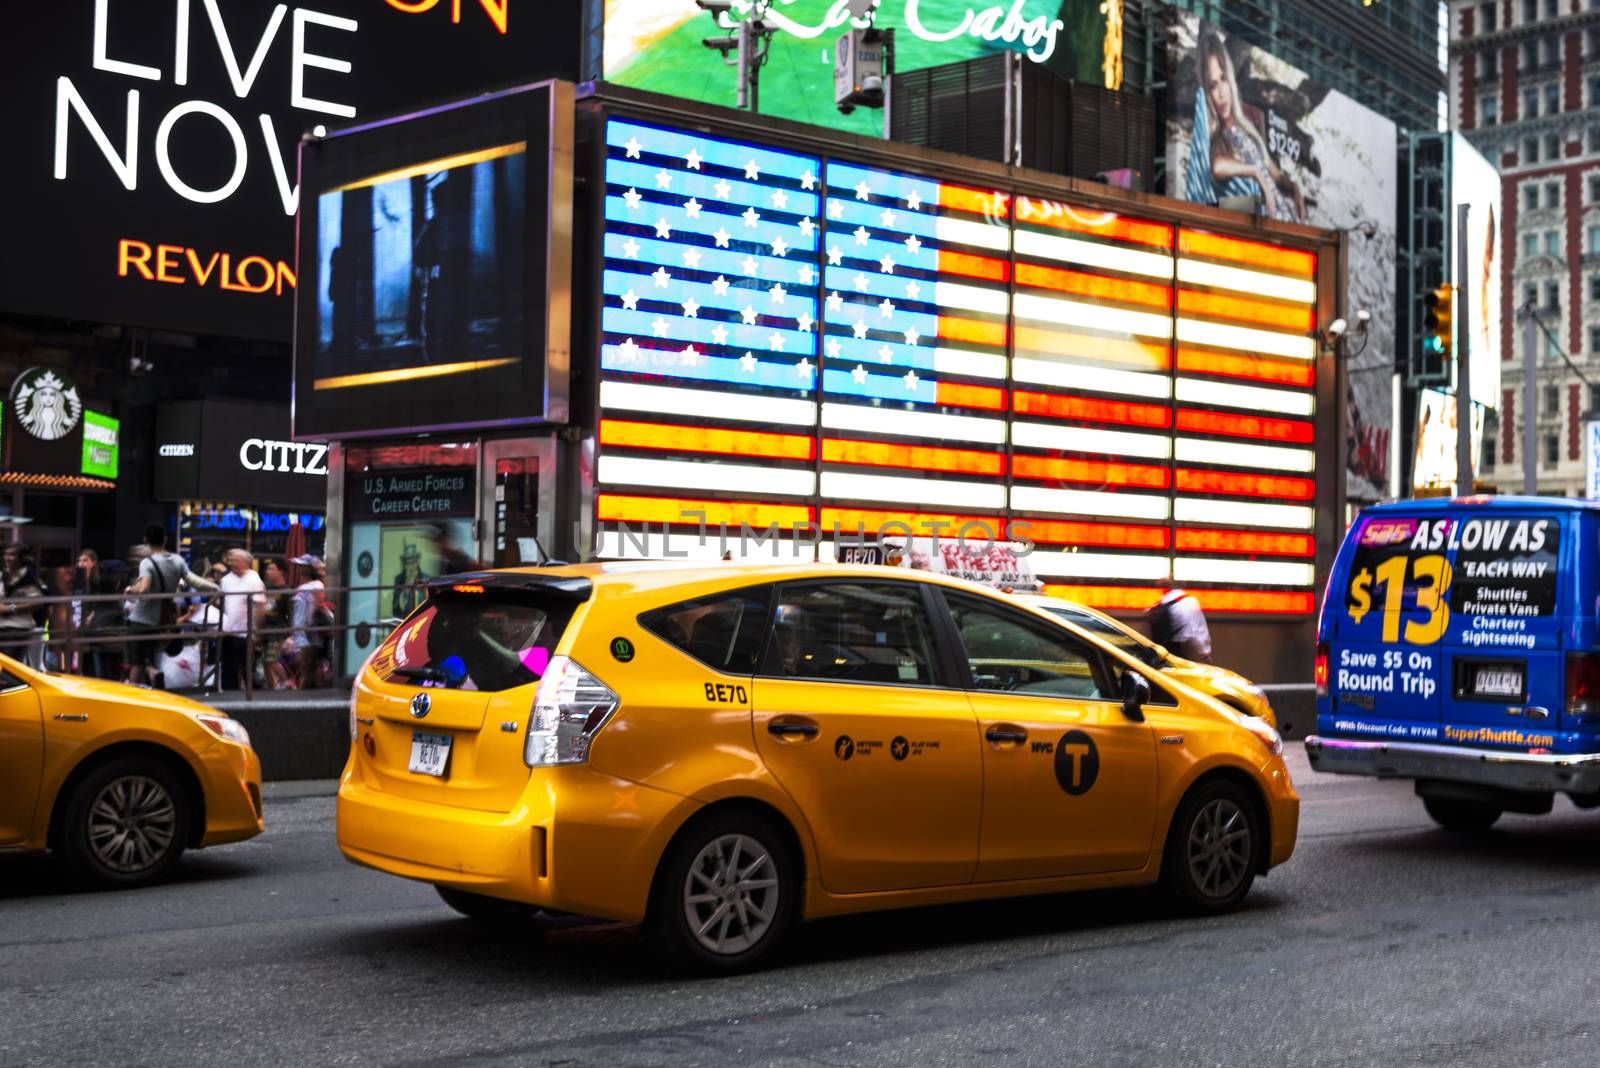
{"points": [[1459, 646]]}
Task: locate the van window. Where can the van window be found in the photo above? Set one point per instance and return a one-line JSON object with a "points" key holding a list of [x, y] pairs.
{"points": [[723, 632], [485, 641], [1006, 651], [852, 632]]}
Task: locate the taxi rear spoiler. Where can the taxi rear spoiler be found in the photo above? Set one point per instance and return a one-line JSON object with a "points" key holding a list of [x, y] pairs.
{"points": [[567, 587]]}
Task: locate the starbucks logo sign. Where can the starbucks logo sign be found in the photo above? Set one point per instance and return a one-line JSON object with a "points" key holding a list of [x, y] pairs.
{"points": [[46, 403]]}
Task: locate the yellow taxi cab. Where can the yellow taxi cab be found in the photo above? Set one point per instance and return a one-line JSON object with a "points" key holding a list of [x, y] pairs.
{"points": [[117, 781], [724, 752], [1229, 687]]}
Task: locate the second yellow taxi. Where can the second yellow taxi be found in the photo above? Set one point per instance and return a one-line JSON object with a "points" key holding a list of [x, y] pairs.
{"points": [[723, 753]]}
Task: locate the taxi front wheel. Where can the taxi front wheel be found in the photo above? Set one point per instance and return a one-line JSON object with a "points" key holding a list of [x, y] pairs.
{"points": [[1209, 862], [125, 824], [726, 894]]}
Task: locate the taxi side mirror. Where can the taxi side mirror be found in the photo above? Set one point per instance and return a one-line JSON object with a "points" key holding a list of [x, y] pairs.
{"points": [[1135, 692]]}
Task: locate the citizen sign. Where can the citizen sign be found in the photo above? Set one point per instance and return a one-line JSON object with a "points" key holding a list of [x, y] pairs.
{"points": [[296, 457]]}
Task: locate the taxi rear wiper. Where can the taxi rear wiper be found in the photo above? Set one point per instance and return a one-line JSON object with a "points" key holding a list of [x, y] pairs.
{"points": [[426, 674]]}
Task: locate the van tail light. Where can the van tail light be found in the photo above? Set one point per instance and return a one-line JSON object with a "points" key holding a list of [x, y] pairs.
{"points": [[1320, 672], [569, 708], [1583, 684]]}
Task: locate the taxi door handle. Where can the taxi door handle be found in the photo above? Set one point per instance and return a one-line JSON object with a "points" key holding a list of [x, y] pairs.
{"points": [[791, 728], [1000, 735]]}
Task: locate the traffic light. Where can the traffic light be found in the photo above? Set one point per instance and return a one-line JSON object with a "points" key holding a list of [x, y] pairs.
{"points": [[1439, 303]]}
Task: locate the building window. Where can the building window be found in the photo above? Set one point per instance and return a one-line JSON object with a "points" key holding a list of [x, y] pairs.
{"points": [[1552, 290], [1552, 99], [1591, 42], [1552, 449], [1530, 197], [1594, 293], [1552, 194], [1594, 396], [1530, 103], [1594, 189], [1530, 148], [1552, 247], [1549, 9], [1489, 64], [1551, 48], [1530, 56], [1489, 456], [1489, 110], [1594, 240], [1530, 294], [1594, 139], [1594, 90], [1530, 245], [1552, 400], [1594, 349], [1530, 10], [1550, 351], [1486, 14], [1552, 147]]}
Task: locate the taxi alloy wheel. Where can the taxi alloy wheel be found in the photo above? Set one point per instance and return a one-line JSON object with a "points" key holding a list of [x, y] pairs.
{"points": [[731, 894], [126, 823], [1210, 858], [726, 894]]}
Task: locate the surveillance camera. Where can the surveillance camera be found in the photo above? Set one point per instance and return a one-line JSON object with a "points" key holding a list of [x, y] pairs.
{"points": [[857, 8], [1337, 328], [1363, 317], [715, 7]]}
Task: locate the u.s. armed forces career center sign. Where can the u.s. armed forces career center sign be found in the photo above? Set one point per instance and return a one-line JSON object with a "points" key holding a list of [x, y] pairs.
{"points": [[150, 170]]}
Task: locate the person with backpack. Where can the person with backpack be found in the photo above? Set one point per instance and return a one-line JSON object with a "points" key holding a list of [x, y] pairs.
{"points": [[1178, 623], [21, 624], [160, 572], [310, 608]]}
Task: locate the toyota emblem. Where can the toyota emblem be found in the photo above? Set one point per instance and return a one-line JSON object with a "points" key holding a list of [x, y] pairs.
{"points": [[421, 705]]}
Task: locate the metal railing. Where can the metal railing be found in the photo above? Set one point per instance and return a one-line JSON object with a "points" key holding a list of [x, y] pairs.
{"points": [[65, 633]]}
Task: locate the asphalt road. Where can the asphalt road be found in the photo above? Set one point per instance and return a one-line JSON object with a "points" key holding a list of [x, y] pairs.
{"points": [[1383, 941]]}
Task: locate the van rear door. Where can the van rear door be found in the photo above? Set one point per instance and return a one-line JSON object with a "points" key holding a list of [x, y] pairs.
{"points": [[1505, 681], [1384, 658]]}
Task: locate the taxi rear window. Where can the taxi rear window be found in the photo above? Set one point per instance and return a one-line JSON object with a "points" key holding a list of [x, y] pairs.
{"points": [[724, 631], [489, 641]]}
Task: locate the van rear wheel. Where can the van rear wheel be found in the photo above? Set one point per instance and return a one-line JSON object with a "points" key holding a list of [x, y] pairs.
{"points": [[1464, 816]]}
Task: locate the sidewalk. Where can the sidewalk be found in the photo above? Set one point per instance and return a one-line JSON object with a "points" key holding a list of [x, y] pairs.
{"points": [[279, 700]]}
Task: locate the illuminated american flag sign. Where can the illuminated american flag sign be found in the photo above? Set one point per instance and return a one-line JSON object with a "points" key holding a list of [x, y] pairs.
{"points": [[795, 340]]}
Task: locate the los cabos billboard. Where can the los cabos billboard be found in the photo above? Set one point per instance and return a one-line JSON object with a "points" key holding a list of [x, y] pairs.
{"points": [[659, 45]]}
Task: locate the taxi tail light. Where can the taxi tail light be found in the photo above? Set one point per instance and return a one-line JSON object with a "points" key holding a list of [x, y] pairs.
{"points": [[1583, 684], [569, 708], [1320, 671]]}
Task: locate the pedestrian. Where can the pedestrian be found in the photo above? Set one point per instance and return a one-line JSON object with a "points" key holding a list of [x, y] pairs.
{"points": [[310, 608], [153, 608], [275, 625], [244, 603], [90, 619], [1178, 622], [21, 627]]}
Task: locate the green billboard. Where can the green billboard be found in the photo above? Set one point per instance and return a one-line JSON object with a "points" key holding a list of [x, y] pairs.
{"points": [[658, 45], [100, 444]]}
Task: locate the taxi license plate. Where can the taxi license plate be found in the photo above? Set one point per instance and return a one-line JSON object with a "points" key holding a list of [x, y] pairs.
{"points": [[1497, 682], [429, 752]]}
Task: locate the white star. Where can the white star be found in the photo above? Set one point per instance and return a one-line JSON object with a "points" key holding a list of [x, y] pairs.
{"points": [[663, 180], [803, 324], [835, 209], [913, 201], [885, 355], [720, 286], [777, 293], [751, 171], [723, 189], [859, 374], [860, 328], [805, 274], [833, 348], [693, 159], [887, 217], [632, 147], [862, 234], [807, 226], [835, 301], [630, 249], [912, 335], [835, 255], [748, 362], [691, 208], [911, 379], [807, 179], [780, 199], [632, 197], [913, 290], [630, 351], [630, 300], [779, 248], [863, 189], [748, 315], [913, 246], [719, 334], [750, 266], [691, 258], [886, 307], [690, 356], [803, 368], [751, 216], [775, 342], [691, 308], [720, 237], [861, 282], [659, 327], [887, 264], [663, 231], [661, 276]]}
